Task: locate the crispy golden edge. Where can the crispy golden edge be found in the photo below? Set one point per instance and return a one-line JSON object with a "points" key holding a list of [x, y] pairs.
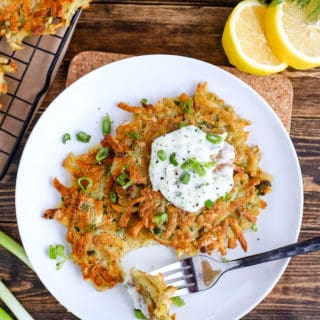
{"points": [[218, 228]]}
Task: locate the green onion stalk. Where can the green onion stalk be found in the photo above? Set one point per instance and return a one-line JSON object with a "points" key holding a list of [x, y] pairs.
{"points": [[4, 315], [13, 304], [14, 247], [5, 295]]}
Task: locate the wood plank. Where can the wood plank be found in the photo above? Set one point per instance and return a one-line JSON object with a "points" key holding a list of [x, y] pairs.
{"points": [[305, 136], [190, 28], [224, 3], [306, 87]]}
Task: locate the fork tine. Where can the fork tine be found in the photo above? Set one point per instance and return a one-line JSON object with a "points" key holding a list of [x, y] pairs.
{"points": [[176, 273], [185, 286], [180, 275], [177, 276], [182, 292], [168, 268], [181, 280], [185, 289], [181, 284]]}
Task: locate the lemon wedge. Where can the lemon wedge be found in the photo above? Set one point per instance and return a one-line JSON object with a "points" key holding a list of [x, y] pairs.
{"points": [[244, 40], [292, 38]]}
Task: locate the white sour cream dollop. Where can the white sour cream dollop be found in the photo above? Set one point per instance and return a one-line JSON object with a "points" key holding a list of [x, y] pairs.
{"points": [[192, 144]]}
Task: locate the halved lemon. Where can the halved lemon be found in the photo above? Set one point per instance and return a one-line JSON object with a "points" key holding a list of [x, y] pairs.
{"points": [[244, 40], [292, 38]]}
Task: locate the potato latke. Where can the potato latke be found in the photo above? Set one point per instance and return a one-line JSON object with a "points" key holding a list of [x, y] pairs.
{"points": [[113, 210]]}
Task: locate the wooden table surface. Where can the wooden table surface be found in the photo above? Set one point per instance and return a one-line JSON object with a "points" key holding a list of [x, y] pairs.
{"points": [[189, 28]]}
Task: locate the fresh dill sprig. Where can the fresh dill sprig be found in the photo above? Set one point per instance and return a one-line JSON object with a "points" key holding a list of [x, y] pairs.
{"points": [[273, 2], [312, 7], [314, 11]]}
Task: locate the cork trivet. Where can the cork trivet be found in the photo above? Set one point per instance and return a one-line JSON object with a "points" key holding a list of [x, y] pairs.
{"points": [[275, 89]]}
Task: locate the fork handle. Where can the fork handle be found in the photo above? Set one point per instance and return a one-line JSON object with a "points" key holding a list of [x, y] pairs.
{"points": [[280, 253]]}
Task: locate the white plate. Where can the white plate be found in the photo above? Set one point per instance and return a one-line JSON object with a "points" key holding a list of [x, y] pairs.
{"points": [[81, 107]]}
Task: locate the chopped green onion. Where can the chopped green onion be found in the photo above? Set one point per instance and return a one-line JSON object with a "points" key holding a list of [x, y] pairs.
{"points": [[85, 183], [185, 178], [173, 159], [113, 197], [195, 165], [139, 315], [66, 137], [122, 178], [56, 252], [162, 155], [187, 106], [214, 138], [254, 228], [178, 301], [199, 169], [208, 203], [14, 247], [188, 164], [132, 134], [52, 252], [60, 264], [182, 125], [225, 196], [161, 218], [224, 259], [13, 304], [157, 230], [128, 184], [106, 125], [4, 315], [144, 101], [209, 165], [83, 137], [102, 154]]}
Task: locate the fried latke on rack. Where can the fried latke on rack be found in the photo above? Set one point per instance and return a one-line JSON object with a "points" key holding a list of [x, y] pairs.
{"points": [[22, 18], [6, 66], [116, 208]]}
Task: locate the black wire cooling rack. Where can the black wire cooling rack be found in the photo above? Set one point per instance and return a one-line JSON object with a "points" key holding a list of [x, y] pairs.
{"points": [[37, 65]]}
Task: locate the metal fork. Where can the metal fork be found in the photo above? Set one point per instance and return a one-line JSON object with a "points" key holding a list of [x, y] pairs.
{"points": [[202, 272]]}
